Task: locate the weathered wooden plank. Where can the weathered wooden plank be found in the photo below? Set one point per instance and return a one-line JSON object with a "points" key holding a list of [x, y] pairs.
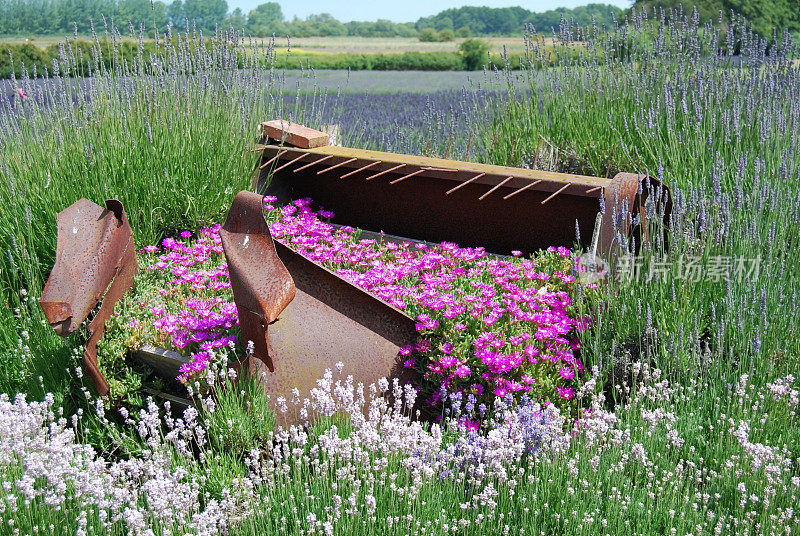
{"points": [[294, 134], [165, 363]]}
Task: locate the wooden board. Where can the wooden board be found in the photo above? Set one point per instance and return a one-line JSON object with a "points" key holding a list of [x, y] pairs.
{"points": [[165, 363], [294, 134]]}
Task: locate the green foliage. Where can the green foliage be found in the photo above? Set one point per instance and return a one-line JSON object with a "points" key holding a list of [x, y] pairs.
{"points": [[54, 17], [511, 20], [474, 52], [764, 15], [380, 28], [30, 56], [427, 35], [445, 35], [264, 20], [241, 417], [403, 61], [464, 31], [602, 15]]}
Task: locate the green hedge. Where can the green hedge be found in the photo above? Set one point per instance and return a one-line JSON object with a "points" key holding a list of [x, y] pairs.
{"points": [[30, 55]]}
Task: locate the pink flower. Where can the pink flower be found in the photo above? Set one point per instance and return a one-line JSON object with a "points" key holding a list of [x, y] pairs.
{"points": [[565, 392]]}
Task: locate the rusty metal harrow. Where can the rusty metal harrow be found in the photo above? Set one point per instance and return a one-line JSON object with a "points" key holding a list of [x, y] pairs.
{"points": [[303, 318]]}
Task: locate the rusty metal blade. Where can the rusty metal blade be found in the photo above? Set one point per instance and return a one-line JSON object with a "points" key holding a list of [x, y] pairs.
{"points": [[332, 321], [91, 243], [306, 322], [262, 287], [95, 258]]}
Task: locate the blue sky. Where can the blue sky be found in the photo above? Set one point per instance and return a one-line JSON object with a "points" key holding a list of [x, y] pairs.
{"points": [[401, 10]]}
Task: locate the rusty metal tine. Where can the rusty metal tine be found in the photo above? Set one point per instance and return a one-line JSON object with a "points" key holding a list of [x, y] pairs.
{"points": [[501, 183], [313, 163], [290, 162], [451, 170], [384, 172], [343, 162], [404, 177], [450, 191], [590, 190], [529, 185], [362, 168], [449, 141], [469, 145], [557, 192], [271, 160]]}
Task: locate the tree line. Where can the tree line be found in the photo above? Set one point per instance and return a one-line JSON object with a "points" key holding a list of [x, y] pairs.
{"points": [[512, 20], [58, 17], [764, 15]]}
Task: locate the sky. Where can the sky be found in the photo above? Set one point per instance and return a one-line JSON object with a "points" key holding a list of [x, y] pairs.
{"points": [[401, 10]]}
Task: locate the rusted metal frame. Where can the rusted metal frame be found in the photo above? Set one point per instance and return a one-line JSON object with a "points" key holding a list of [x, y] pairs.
{"points": [[362, 168], [384, 172], [449, 141], [315, 162], [340, 164], [440, 165], [302, 317], [476, 177], [498, 185], [446, 170]]}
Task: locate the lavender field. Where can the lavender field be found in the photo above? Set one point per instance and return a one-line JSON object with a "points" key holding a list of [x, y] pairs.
{"points": [[663, 400]]}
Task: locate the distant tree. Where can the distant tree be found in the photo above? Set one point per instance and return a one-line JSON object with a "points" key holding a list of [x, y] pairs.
{"points": [[142, 11], [464, 31], [176, 14], [236, 19], [474, 52], [764, 15], [264, 19], [428, 35], [206, 14], [443, 23], [445, 35]]}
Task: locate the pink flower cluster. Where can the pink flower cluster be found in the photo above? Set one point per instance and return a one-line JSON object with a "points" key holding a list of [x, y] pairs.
{"points": [[493, 326], [197, 283], [490, 326]]}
